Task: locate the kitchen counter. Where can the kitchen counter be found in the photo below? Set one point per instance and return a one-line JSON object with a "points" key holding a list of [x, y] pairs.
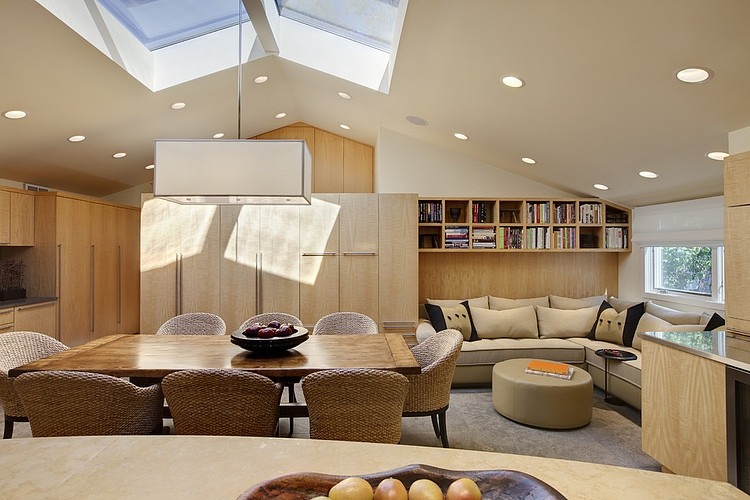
{"points": [[729, 348], [4, 304], [208, 467]]}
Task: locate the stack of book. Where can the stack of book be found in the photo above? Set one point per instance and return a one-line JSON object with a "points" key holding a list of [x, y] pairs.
{"points": [[591, 213], [510, 237], [537, 237], [479, 210], [538, 213], [550, 369], [483, 237], [565, 213], [457, 237]]}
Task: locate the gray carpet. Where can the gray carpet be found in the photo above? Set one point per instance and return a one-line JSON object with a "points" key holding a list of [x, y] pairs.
{"points": [[613, 437]]}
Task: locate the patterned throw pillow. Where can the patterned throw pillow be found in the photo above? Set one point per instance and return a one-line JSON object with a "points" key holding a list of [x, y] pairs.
{"points": [[456, 317], [619, 328]]}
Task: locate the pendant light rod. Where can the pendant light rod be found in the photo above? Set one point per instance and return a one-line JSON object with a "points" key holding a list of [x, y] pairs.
{"points": [[239, 70]]}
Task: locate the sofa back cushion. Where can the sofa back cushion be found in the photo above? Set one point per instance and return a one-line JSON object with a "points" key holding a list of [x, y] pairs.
{"points": [[565, 323], [501, 304], [475, 302], [649, 323], [673, 315], [557, 302], [516, 323]]}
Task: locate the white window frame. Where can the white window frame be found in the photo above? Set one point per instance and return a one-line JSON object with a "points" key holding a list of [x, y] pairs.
{"points": [[652, 291]]}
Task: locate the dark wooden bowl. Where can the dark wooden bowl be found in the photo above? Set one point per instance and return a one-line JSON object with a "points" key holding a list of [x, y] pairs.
{"points": [[494, 484]]}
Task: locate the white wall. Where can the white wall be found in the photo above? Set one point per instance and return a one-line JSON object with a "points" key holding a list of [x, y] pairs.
{"points": [[131, 196], [406, 165], [739, 141]]}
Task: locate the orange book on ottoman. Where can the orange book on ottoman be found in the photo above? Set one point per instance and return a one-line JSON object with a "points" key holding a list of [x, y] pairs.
{"points": [[550, 369]]}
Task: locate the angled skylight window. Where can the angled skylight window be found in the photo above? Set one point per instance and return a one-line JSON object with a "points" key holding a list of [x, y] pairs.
{"points": [[160, 23], [369, 22]]}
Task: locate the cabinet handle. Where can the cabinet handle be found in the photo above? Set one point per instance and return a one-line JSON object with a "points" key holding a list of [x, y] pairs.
{"points": [[93, 278], [180, 285], [58, 327], [359, 253], [119, 284], [176, 284], [321, 254], [32, 306], [259, 282]]}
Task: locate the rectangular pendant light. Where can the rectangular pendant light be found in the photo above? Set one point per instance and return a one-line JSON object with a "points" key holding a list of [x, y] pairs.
{"points": [[233, 171]]}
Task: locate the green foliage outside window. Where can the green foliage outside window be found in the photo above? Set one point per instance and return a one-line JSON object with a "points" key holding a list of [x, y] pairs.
{"points": [[686, 269]]}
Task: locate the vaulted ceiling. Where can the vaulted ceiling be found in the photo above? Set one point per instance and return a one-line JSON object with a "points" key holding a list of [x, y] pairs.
{"points": [[601, 101]]}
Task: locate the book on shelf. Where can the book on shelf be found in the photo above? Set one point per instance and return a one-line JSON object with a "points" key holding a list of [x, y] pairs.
{"points": [[538, 212], [430, 211], [565, 213], [590, 213], [616, 237], [479, 212], [550, 369]]}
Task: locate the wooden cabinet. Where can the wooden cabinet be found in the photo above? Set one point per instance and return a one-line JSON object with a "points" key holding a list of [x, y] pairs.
{"points": [[736, 240], [16, 218], [684, 412], [493, 225], [358, 244], [40, 317]]}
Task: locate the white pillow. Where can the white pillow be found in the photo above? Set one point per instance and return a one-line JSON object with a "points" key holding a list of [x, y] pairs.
{"points": [[648, 323], [621, 304], [516, 323], [565, 323], [557, 302], [501, 304], [476, 302]]}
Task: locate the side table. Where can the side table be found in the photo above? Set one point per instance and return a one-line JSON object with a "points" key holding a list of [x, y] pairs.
{"points": [[617, 355]]}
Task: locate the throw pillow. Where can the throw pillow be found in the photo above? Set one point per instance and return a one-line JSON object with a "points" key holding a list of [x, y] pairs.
{"points": [[557, 302], [456, 318], [673, 315], [516, 323], [621, 304], [565, 323], [501, 304], [648, 323], [618, 328], [715, 322], [475, 302]]}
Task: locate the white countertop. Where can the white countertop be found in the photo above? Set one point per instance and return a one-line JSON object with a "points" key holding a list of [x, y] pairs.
{"points": [[731, 349], [208, 467]]}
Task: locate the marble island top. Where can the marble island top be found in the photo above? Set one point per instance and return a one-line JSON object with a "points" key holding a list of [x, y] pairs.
{"points": [[212, 467], [731, 349]]}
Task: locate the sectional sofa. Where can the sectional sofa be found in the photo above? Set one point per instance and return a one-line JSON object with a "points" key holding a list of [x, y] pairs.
{"points": [[555, 328]]}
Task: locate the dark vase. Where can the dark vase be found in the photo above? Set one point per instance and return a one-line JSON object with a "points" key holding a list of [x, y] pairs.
{"points": [[455, 214]]}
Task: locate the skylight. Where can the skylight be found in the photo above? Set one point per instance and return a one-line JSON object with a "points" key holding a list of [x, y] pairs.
{"points": [[161, 23], [369, 22]]}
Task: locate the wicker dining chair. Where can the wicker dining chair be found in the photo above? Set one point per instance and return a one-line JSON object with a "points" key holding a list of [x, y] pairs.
{"points": [[198, 323], [345, 323], [355, 404], [222, 402], [16, 349], [265, 318], [67, 403], [430, 390]]}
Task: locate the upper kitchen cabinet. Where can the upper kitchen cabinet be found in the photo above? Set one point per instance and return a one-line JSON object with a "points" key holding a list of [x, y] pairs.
{"points": [[16, 217]]}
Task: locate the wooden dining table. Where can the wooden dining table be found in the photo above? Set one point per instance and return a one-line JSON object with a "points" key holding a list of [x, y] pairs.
{"points": [[155, 356]]}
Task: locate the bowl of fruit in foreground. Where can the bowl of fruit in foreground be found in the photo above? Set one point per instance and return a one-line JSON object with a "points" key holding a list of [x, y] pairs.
{"points": [[272, 338]]}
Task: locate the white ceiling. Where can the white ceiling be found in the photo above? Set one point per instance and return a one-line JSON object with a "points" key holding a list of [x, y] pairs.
{"points": [[601, 101]]}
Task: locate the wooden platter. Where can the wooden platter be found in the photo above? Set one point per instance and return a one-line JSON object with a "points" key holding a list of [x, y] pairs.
{"points": [[494, 484]]}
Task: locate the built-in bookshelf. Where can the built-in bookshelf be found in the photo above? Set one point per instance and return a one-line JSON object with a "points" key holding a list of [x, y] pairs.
{"points": [[507, 224]]}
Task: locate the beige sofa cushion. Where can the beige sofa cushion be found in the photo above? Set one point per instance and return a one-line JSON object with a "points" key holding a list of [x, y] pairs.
{"points": [[621, 304], [565, 323], [673, 315], [510, 323], [475, 302], [501, 304], [491, 351], [627, 370], [648, 323], [557, 302]]}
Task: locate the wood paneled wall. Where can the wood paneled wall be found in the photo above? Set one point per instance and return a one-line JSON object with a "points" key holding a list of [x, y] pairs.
{"points": [[516, 275]]}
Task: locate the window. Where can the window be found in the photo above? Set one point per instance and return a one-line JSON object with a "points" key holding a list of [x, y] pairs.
{"points": [[690, 274]]}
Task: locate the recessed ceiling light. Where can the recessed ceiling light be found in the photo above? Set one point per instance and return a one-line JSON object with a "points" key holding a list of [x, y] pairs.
{"points": [[530, 161], [459, 135], [717, 155], [512, 81], [601, 187], [693, 75], [119, 155], [648, 175], [77, 138], [15, 114], [345, 127], [218, 136], [178, 105], [150, 167], [344, 95], [415, 120], [280, 115], [261, 79]]}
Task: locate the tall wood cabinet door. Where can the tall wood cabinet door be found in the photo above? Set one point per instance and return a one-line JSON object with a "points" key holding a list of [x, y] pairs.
{"points": [[40, 318], [199, 258], [4, 217], [319, 259], [240, 247], [328, 163], [128, 244], [736, 179], [279, 259], [398, 259], [358, 276], [104, 265], [21, 219], [737, 260], [73, 230], [357, 167], [159, 261]]}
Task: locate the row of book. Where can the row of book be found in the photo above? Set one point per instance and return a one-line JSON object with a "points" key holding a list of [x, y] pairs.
{"points": [[615, 237], [430, 211], [590, 213], [483, 237], [538, 213], [565, 237], [457, 237], [479, 212], [565, 213], [537, 237]]}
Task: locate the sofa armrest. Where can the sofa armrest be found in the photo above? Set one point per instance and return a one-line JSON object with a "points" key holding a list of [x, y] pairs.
{"points": [[424, 330]]}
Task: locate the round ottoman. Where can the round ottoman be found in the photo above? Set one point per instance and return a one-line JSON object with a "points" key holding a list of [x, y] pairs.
{"points": [[539, 400]]}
